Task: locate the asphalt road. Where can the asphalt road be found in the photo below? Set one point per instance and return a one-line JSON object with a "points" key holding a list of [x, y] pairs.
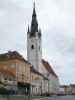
{"points": [[38, 98], [57, 98]]}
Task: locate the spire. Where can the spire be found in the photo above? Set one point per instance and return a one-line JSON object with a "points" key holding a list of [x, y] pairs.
{"points": [[34, 4], [34, 12], [34, 23]]}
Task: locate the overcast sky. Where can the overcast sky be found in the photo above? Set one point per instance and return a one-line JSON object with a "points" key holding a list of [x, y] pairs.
{"points": [[56, 19]]}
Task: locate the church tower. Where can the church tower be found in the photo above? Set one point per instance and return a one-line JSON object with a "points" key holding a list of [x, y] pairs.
{"points": [[34, 49]]}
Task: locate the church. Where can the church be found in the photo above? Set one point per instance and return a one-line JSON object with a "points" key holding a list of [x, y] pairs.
{"points": [[34, 56], [33, 76], [34, 48]]}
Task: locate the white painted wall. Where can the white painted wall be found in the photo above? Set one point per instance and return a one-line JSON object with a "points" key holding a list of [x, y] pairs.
{"points": [[34, 55], [44, 86], [53, 84], [36, 87]]}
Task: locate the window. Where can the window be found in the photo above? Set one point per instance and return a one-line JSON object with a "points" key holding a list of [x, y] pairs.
{"points": [[10, 79], [5, 78], [13, 65], [32, 46]]}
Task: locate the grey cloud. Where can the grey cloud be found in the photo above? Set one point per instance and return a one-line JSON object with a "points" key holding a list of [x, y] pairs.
{"points": [[57, 21]]}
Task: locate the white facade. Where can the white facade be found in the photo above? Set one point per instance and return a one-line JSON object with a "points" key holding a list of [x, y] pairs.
{"points": [[39, 87], [36, 87], [53, 84], [44, 86], [34, 51]]}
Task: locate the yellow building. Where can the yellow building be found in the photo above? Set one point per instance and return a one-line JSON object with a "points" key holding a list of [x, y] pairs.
{"points": [[13, 62], [8, 80], [15, 71]]}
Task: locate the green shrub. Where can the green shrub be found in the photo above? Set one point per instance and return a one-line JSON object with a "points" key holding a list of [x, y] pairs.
{"points": [[3, 91]]}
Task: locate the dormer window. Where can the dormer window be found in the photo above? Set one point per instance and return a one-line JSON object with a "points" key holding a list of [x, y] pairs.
{"points": [[32, 47]]}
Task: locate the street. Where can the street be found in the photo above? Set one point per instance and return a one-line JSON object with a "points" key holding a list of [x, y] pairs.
{"points": [[57, 98], [20, 97]]}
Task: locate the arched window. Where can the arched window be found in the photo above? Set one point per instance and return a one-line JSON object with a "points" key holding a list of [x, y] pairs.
{"points": [[32, 47]]}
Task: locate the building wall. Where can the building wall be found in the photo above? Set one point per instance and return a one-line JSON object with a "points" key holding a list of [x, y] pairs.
{"points": [[44, 86], [9, 65], [61, 90], [8, 80], [68, 89], [22, 71], [39, 85], [72, 89], [36, 84], [19, 68], [53, 85]]}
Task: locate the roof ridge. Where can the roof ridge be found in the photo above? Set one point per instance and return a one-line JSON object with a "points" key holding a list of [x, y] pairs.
{"points": [[12, 55]]}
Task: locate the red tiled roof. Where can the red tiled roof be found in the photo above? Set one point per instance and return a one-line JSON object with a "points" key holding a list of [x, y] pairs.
{"points": [[49, 68], [11, 55]]}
